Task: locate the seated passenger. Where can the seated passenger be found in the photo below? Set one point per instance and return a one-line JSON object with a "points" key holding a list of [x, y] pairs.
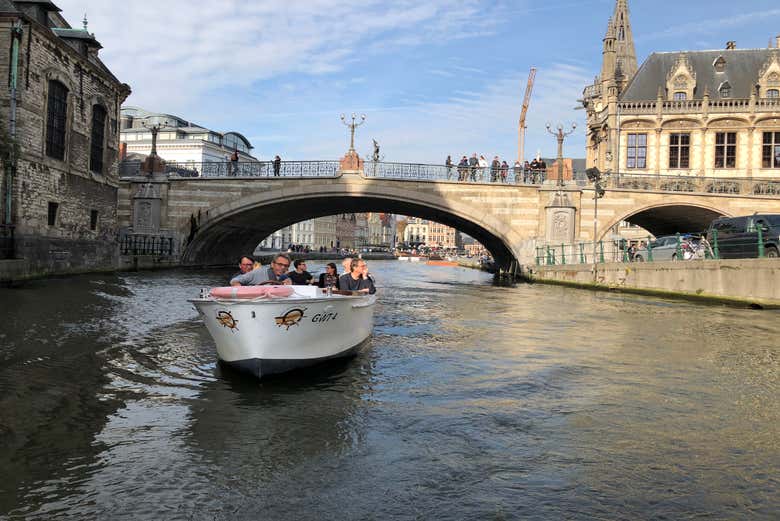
{"points": [[275, 274], [368, 280], [353, 281], [346, 263], [245, 266], [330, 278], [300, 277]]}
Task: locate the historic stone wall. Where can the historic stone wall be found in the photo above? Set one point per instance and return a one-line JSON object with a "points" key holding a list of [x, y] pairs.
{"points": [[69, 244]]}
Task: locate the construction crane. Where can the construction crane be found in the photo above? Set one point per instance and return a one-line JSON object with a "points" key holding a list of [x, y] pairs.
{"points": [[521, 129]]}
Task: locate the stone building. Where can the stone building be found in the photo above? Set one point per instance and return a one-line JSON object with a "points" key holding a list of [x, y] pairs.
{"points": [[442, 236], [713, 113], [59, 190]]}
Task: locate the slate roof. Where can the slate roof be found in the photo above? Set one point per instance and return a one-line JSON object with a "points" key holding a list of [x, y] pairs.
{"points": [[76, 34], [47, 3], [6, 6], [741, 72]]}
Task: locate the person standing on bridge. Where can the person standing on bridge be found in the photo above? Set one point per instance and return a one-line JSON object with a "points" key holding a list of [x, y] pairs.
{"points": [[448, 164], [234, 163], [495, 166], [473, 164], [483, 164], [277, 165], [463, 168]]}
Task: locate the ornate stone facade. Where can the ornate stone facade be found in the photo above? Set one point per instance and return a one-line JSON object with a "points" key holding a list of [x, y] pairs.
{"points": [[63, 186], [700, 113]]}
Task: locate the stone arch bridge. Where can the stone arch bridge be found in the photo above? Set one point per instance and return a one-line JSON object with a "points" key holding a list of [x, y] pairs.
{"points": [[212, 218]]}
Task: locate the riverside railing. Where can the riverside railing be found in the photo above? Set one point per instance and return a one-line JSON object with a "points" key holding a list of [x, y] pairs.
{"points": [[684, 248], [155, 245], [238, 169]]}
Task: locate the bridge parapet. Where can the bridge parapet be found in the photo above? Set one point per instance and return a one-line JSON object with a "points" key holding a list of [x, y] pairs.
{"points": [[260, 169], [695, 184]]}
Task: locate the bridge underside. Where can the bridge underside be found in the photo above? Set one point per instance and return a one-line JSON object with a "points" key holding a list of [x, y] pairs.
{"points": [[668, 220], [224, 241]]}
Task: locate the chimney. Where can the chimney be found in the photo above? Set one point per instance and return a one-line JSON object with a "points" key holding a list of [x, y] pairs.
{"points": [[731, 45]]}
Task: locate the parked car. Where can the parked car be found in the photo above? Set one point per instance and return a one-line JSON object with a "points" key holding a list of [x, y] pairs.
{"points": [[738, 236], [664, 248]]}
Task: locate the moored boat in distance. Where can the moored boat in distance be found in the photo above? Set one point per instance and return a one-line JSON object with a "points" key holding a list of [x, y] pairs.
{"points": [[282, 328]]}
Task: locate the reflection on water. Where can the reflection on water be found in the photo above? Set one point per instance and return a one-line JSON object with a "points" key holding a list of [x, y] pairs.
{"points": [[470, 402]]}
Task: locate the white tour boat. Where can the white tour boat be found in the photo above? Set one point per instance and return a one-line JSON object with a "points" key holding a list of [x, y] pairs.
{"points": [[267, 330]]}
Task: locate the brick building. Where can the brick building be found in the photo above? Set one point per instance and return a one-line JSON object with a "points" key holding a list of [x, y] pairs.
{"points": [[59, 192]]}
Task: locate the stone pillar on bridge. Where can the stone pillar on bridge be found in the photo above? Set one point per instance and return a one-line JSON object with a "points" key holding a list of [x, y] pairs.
{"points": [[560, 218], [351, 163], [147, 206]]}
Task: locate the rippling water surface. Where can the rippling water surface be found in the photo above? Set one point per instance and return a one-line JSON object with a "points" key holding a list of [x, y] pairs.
{"points": [[471, 402]]}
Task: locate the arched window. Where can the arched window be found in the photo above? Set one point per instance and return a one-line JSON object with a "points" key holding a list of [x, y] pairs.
{"points": [[725, 90], [56, 119], [773, 93], [98, 138], [680, 96]]}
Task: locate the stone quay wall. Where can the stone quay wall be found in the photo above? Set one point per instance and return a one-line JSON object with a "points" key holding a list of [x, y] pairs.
{"points": [[753, 282]]}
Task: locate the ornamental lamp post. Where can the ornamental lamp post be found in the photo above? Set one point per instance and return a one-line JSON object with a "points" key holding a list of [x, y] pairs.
{"points": [[560, 135], [596, 177], [352, 126]]}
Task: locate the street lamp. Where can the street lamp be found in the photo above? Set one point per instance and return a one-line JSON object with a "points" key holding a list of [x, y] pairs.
{"points": [[596, 177], [560, 135], [352, 126]]}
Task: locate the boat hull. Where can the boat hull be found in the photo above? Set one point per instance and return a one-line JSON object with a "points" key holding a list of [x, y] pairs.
{"points": [[279, 335]]}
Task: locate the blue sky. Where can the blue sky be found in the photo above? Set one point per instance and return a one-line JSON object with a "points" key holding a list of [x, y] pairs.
{"points": [[433, 78]]}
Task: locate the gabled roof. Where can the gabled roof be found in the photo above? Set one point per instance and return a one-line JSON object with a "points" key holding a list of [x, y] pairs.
{"points": [[76, 34], [6, 6], [741, 72], [46, 4]]}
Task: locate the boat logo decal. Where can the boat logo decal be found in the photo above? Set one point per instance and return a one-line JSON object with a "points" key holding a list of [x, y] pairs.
{"points": [[291, 317], [225, 318]]}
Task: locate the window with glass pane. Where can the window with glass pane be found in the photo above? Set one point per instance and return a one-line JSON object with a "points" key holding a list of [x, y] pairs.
{"points": [[98, 136], [770, 151], [773, 93], [637, 151], [56, 119], [679, 150], [725, 150], [680, 96]]}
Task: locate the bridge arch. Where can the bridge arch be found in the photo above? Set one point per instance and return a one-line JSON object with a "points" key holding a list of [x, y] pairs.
{"points": [[236, 227], [669, 218]]}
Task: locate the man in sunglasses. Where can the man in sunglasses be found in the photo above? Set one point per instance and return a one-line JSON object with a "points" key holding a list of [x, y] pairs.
{"points": [[276, 273]]}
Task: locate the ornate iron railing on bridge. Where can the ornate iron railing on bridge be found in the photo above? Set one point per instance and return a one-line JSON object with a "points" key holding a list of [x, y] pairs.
{"points": [[453, 173], [238, 169], [694, 184], [6, 241]]}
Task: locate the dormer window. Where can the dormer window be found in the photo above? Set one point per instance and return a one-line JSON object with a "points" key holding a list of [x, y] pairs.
{"points": [[773, 93], [719, 64], [680, 96], [725, 90]]}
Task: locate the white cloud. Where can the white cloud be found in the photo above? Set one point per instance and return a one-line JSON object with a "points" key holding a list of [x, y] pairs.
{"points": [[173, 52]]}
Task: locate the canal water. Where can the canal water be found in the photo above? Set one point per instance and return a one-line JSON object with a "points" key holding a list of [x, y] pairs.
{"points": [[471, 402]]}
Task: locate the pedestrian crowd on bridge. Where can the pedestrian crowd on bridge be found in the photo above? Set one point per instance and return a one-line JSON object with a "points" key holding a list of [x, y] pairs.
{"points": [[476, 169]]}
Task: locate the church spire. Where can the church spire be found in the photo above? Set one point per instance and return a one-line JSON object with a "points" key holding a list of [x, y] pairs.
{"points": [[625, 54]]}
